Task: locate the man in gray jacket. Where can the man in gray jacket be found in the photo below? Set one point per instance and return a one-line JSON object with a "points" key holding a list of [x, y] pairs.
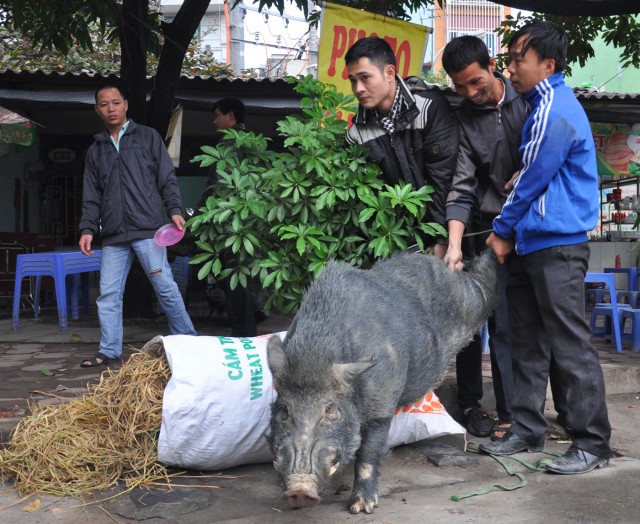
{"points": [[491, 116], [129, 182]]}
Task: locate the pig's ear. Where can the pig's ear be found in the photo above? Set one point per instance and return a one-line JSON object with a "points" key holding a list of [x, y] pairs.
{"points": [[275, 355], [348, 372]]}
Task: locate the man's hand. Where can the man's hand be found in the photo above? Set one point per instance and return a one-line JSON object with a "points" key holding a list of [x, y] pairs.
{"points": [[85, 244], [178, 221], [501, 246], [453, 258], [509, 185]]}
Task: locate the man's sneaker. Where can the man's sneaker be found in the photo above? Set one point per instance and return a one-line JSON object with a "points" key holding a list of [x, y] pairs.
{"points": [[477, 422]]}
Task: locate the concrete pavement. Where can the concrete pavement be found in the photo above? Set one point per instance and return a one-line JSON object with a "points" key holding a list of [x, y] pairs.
{"points": [[417, 480]]}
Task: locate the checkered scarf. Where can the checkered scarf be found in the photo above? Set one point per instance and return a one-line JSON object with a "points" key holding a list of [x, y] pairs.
{"points": [[388, 122]]}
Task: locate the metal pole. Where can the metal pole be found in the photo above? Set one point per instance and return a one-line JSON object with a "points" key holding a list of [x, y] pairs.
{"points": [[313, 46]]}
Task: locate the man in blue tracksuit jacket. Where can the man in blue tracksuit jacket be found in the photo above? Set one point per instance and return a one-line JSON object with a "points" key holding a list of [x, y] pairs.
{"points": [[546, 218]]}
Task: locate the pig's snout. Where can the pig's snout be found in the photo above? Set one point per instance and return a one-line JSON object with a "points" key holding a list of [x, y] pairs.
{"points": [[301, 498], [302, 491]]}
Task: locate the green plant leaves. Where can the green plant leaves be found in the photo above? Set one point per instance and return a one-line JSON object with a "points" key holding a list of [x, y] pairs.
{"points": [[276, 218]]}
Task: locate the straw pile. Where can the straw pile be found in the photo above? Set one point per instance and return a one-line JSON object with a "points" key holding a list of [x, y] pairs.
{"points": [[92, 442]]}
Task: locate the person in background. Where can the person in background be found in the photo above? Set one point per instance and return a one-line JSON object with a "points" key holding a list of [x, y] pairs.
{"points": [[554, 203], [129, 182], [228, 113], [242, 308], [413, 138]]}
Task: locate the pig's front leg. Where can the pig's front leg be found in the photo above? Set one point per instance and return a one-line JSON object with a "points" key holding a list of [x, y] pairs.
{"points": [[373, 448]]}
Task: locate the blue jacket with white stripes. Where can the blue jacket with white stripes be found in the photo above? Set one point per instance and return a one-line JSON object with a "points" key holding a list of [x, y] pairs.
{"points": [[555, 199]]}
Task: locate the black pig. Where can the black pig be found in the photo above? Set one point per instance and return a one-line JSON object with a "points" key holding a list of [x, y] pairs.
{"points": [[363, 343]]}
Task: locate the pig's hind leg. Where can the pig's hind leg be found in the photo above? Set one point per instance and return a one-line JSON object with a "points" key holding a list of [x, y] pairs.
{"points": [[373, 449]]}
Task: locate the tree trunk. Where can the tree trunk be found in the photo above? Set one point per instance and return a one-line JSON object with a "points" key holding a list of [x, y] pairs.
{"points": [[177, 36], [134, 35]]}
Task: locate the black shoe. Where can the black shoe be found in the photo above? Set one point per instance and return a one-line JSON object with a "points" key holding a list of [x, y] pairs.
{"points": [[510, 445], [575, 461], [477, 422]]}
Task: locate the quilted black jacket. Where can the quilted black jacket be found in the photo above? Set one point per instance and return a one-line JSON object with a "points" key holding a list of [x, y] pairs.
{"points": [[422, 150]]}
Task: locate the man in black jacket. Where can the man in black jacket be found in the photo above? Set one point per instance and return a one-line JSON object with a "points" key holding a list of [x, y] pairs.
{"points": [[491, 116], [413, 138], [129, 182]]}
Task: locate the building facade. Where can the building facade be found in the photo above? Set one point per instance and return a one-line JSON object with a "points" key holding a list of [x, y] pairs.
{"points": [[466, 17], [605, 72], [261, 45]]}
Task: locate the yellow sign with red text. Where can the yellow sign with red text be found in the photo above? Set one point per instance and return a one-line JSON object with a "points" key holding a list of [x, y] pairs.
{"points": [[343, 26]]}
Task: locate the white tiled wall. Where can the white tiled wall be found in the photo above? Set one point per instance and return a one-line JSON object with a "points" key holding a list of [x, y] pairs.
{"points": [[603, 254]]}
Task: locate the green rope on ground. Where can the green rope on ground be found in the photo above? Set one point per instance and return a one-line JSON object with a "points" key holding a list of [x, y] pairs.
{"points": [[473, 448]]}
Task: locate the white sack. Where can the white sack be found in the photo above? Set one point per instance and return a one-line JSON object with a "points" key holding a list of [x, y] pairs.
{"points": [[217, 405]]}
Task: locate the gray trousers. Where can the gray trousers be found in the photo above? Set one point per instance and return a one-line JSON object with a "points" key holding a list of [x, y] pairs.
{"points": [[546, 300]]}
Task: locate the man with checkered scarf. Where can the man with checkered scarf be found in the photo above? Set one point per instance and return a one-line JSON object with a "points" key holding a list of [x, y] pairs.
{"points": [[412, 137]]}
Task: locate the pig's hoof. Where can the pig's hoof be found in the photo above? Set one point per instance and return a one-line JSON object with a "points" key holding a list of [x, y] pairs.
{"points": [[362, 504]]}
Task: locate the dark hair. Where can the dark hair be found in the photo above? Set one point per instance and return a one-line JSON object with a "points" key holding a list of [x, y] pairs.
{"points": [[463, 51], [226, 105], [374, 48], [546, 39], [117, 88]]}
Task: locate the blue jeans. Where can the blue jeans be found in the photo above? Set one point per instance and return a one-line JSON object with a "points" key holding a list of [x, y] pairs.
{"points": [[116, 263]]}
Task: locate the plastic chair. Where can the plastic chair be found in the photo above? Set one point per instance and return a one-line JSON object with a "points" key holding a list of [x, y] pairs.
{"points": [[598, 295], [628, 297], [606, 311], [59, 265], [632, 275], [9, 252], [634, 336], [609, 280]]}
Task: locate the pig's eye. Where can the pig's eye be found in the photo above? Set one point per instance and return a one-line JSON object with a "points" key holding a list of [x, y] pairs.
{"points": [[283, 412]]}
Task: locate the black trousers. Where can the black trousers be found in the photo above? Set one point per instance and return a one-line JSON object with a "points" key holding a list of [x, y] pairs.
{"points": [[469, 360], [546, 297], [241, 310]]}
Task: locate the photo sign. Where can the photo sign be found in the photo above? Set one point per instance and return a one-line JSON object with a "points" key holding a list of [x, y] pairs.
{"points": [[617, 150], [343, 26]]}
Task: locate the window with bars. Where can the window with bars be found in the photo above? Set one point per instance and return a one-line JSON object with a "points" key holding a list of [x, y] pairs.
{"points": [[475, 17]]}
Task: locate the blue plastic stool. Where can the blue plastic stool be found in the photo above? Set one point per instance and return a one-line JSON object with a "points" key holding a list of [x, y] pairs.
{"points": [[628, 297], [614, 312], [606, 311], [634, 336], [58, 265], [598, 295]]}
